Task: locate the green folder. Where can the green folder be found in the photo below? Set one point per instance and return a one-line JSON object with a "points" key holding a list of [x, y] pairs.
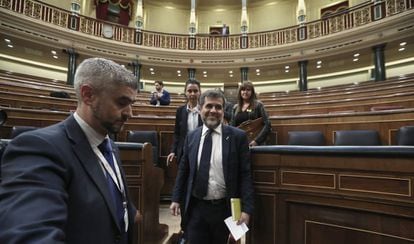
{"points": [[235, 208]]}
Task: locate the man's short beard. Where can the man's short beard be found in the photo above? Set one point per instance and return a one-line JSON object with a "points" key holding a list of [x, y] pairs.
{"points": [[210, 124], [105, 124]]}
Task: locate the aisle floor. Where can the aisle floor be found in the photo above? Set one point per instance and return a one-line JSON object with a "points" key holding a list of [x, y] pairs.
{"points": [[173, 222]]}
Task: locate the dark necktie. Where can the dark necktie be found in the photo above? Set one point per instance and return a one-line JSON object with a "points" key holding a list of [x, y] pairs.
{"points": [[201, 186], [106, 150]]}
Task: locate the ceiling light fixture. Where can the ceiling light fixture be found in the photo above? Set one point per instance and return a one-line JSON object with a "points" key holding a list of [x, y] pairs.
{"points": [[403, 44], [401, 49], [356, 55], [355, 59]]}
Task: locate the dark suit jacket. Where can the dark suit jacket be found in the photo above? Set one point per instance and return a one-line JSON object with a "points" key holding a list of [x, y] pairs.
{"points": [[164, 99], [180, 130], [236, 167], [55, 191]]}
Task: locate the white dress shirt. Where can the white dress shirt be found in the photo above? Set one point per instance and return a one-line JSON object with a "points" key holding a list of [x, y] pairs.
{"points": [[216, 184]]}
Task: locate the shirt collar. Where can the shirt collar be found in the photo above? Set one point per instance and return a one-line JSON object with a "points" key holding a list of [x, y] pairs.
{"points": [[216, 130], [195, 109], [93, 137]]}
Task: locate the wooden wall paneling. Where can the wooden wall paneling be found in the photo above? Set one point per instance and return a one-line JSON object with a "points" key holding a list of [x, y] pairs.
{"points": [[333, 195], [144, 184]]}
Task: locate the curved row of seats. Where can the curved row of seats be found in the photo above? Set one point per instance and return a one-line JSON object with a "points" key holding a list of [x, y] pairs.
{"points": [[300, 116], [397, 100], [339, 89], [405, 137]]}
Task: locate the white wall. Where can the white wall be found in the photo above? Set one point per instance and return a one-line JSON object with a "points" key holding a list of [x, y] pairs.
{"points": [[231, 18], [271, 17], [162, 19], [313, 8], [57, 73], [397, 69]]}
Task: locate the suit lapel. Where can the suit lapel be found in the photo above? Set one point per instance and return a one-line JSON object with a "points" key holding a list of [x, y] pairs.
{"points": [[89, 161], [184, 116], [194, 143], [226, 143]]}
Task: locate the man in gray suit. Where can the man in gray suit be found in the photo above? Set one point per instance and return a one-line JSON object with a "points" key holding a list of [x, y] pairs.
{"points": [[215, 167], [58, 183]]}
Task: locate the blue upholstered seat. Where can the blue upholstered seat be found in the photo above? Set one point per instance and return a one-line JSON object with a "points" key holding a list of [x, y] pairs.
{"points": [[405, 136], [357, 138], [146, 136], [306, 138]]}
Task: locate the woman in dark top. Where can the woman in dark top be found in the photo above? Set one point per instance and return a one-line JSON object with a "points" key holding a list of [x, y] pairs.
{"points": [[249, 108]]}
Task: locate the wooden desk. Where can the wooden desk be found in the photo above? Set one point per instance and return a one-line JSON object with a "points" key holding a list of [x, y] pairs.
{"points": [[333, 194]]}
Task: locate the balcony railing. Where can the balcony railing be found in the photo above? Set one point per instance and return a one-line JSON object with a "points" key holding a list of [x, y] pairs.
{"points": [[354, 17]]}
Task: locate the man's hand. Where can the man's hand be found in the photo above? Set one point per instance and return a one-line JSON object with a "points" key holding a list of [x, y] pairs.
{"points": [[170, 158], [138, 217], [244, 218], [253, 143], [175, 208]]}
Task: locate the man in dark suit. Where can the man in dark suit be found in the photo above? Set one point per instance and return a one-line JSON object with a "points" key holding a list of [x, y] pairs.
{"points": [[160, 96], [59, 185], [227, 175]]}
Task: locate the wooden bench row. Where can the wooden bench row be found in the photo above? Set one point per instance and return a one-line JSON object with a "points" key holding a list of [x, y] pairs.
{"points": [[406, 85], [403, 99], [350, 87], [386, 122], [333, 195], [40, 90]]}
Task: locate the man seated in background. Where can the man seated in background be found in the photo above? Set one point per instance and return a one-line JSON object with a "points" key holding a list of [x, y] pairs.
{"points": [[160, 96]]}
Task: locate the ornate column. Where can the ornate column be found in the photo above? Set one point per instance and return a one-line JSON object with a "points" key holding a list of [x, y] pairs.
{"points": [[191, 73], [301, 12], [244, 73], [303, 75], [192, 30], [139, 23], [244, 28], [301, 17], [378, 10], [71, 65], [136, 70], [139, 16], [75, 8], [379, 62]]}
